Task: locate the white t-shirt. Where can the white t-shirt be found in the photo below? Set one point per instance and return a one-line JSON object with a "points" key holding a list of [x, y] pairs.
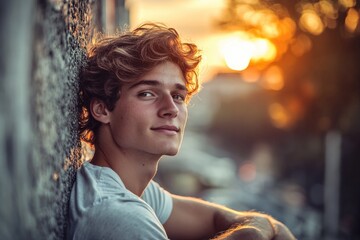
{"points": [[102, 208]]}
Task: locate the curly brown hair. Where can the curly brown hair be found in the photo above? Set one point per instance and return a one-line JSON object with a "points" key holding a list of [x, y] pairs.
{"points": [[116, 60]]}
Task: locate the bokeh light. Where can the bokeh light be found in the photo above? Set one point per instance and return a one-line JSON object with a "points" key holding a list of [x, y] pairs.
{"points": [[311, 22], [301, 45], [352, 20], [278, 115], [273, 78], [247, 171], [347, 3]]}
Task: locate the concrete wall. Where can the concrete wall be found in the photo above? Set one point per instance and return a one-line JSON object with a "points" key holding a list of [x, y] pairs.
{"points": [[40, 46]]}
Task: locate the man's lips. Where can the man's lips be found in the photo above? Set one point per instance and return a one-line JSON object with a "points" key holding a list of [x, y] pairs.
{"points": [[169, 128]]}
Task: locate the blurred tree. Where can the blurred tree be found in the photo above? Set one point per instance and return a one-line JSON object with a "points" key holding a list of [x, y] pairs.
{"points": [[318, 50]]}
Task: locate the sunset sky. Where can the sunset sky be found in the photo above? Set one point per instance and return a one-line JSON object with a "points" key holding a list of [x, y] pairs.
{"points": [[254, 49]]}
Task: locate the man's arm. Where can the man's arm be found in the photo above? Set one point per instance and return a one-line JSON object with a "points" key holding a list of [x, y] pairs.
{"points": [[197, 219]]}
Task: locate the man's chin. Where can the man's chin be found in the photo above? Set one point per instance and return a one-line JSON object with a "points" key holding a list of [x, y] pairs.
{"points": [[171, 152]]}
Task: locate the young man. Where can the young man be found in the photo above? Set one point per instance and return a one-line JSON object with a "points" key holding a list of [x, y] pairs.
{"points": [[134, 93]]}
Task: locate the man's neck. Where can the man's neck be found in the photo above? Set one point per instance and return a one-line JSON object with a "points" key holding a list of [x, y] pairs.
{"points": [[135, 169]]}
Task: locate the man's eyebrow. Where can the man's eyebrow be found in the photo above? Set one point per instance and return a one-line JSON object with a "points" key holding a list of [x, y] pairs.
{"points": [[178, 86], [181, 87], [145, 82]]}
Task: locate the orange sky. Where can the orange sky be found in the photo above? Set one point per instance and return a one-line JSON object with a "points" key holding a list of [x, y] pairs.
{"points": [[194, 20]]}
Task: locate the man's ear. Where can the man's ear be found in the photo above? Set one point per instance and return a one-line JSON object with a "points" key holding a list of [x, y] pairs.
{"points": [[99, 111]]}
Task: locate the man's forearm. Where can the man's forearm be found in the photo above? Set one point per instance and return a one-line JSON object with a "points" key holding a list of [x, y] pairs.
{"points": [[243, 223], [249, 225], [197, 219]]}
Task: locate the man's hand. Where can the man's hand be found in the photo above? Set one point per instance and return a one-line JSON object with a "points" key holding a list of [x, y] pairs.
{"points": [[255, 226]]}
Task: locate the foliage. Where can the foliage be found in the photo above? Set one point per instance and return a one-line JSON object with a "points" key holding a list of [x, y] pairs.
{"points": [[318, 50]]}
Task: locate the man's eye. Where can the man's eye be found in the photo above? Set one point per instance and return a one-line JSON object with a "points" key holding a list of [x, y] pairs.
{"points": [[145, 94], [179, 97]]}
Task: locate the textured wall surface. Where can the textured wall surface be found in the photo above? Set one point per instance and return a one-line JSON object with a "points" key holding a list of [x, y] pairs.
{"points": [[39, 149]]}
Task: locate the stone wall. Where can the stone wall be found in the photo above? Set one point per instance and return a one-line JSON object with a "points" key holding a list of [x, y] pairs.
{"points": [[41, 52]]}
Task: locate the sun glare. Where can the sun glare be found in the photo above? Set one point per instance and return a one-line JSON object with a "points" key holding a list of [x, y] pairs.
{"points": [[239, 50], [263, 50], [237, 53]]}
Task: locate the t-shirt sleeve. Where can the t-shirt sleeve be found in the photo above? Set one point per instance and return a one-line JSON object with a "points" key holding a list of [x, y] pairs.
{"points": [[117, 221], [159, 199]]}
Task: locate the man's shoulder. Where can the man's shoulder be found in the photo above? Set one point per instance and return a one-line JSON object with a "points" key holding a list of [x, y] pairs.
{"points": [[119, 208], [94, 183], [111, 218], [98, 193]]}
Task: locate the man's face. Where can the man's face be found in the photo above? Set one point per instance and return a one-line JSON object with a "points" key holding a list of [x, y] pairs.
{"points": [[151, 114]]}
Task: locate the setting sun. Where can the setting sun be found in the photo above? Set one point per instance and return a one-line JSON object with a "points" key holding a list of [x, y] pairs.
{"points": [[239, 50], [237, 53]]}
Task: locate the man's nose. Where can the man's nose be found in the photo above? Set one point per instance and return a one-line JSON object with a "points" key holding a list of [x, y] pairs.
{"points": [[168, 108]]}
